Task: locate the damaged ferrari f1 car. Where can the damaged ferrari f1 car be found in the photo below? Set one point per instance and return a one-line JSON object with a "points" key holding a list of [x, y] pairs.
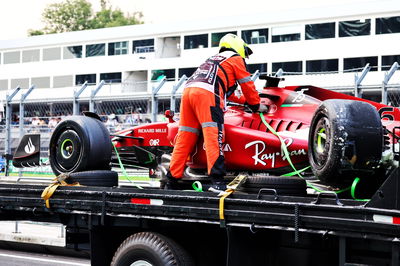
{"points": [[321, 133]]}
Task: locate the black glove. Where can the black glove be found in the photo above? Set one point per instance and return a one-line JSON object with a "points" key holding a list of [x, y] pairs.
{"points": [[254, 107]]}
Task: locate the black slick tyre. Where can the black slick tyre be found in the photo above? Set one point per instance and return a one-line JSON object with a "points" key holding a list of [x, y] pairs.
{"points": [[150, 249], [98, 178], [80, 143], [291, 186], [345, 140]]}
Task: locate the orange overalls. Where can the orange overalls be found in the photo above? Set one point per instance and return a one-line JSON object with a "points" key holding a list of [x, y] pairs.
{"points": [[202, 108]]}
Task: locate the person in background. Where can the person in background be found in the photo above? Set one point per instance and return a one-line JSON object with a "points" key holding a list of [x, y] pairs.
{"points": [[203, 104]]}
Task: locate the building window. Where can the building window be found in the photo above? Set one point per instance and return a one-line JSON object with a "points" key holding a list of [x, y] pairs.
{"points": [[215, 37], [30, 56], [255, 36], [157, 75], [3, 84], [117, 48], [41, 82], [143, 46], [62, 81], [294, 67], [51, 54], [111, 77], [388, 25], [95, 50], [286, 34], [12, 57], [354, 28], [80, 79], [22, 83], [320, 31], [358, 63], [187, 71], [71, 52], [196, 41], [254, 67], [327, 65], [388, 60]]}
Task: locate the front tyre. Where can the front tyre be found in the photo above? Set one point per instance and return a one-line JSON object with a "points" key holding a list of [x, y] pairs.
{"points": [[80, 143], [150, 249], [345, 141]]}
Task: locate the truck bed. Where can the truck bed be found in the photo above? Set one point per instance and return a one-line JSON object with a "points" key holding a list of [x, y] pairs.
{"points": [[83, 209]]}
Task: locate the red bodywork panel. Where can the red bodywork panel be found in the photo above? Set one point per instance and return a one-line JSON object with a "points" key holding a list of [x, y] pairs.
{"points": [[248, 144]]}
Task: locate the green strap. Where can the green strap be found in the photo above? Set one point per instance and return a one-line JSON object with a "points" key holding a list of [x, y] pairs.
{"points": [[197, 186], [283, 146], [297, 172], [123, 168], [353, 190]]}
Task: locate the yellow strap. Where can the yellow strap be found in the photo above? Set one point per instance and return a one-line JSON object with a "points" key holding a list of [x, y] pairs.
{"points": [[231, 187], [222, 203], [49, 191]]}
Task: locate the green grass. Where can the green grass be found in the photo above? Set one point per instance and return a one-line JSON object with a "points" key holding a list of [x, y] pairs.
{"points": [[32, 174], [141, 178]]}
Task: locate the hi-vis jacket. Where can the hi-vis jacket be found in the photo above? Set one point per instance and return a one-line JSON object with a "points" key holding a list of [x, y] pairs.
{"points": [[225, 70]]}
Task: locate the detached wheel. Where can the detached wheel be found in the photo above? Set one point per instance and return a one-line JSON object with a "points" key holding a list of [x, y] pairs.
{"points": [[290, 186], [97, 178], [150, 249], [345, 140], [80, 143]]}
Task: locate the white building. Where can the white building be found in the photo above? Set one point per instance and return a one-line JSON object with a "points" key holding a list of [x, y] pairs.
{"points": [[338, 40]]}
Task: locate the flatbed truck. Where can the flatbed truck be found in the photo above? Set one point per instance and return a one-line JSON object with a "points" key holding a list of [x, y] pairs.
{"points": [[132, 226]]}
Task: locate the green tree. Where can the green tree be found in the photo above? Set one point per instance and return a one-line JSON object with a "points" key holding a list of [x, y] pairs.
{"points": [[75, 15], [112, 18]]}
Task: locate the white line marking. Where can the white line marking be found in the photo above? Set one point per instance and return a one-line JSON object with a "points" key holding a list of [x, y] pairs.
{"points": [[44, 260]]}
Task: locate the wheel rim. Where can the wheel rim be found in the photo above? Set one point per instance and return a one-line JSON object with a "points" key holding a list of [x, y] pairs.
{"points": [[141, 263], [321, 141], [68, 151], [67, 148]]}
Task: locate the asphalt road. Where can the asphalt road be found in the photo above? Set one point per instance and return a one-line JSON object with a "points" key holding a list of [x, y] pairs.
{"points": [[20, 258]]}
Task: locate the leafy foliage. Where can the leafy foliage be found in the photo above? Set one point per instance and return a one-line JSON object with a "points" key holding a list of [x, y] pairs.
{"points": [[113, 18], [75, 15]]}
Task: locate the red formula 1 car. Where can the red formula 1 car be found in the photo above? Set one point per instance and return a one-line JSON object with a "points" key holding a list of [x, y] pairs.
{"points": [[339, 136]]}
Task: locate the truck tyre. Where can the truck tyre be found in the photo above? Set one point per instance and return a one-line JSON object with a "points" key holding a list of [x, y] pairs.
{"points": [[293, 186], [345, 141], [97, 178], [150, 249], [80, 143]]}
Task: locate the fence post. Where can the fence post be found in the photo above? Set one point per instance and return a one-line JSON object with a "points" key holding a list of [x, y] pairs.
{"points": [[7, 148], [358, 80], [154, 102], [175, 88], [22, 115], [279, 73], [22, 111], [77, 93], [255, 76], [386, 79], [93, 94]]}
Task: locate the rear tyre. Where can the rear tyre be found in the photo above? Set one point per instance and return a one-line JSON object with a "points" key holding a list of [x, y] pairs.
{"points": [[345, 141], [80, 143], [98, 178], [150, 249], [291, 186]]}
